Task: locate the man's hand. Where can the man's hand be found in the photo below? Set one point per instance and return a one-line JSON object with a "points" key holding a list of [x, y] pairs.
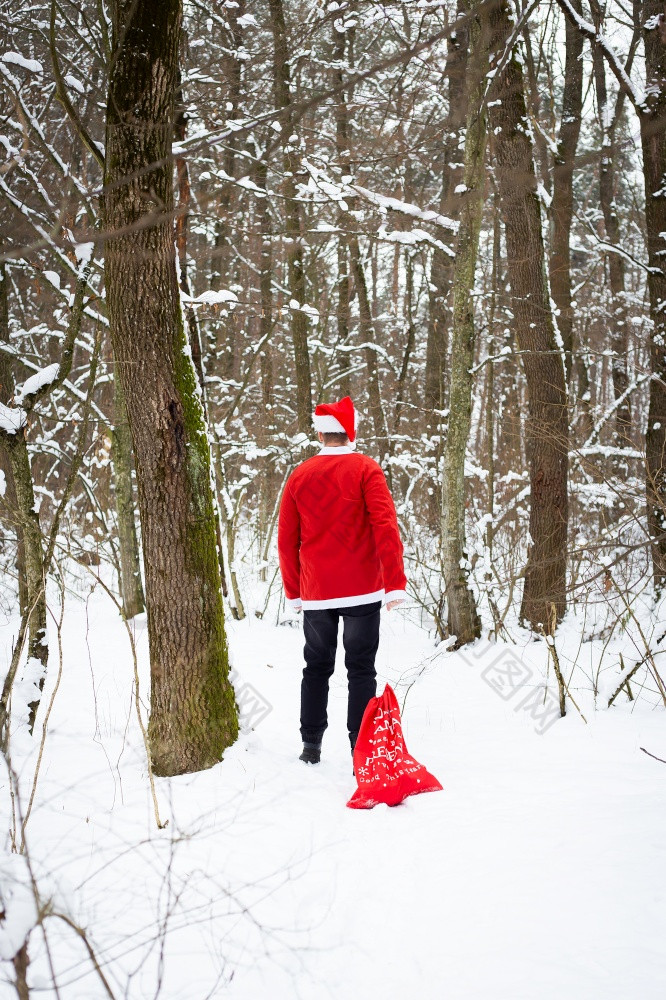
{"points": [[394, 604]]}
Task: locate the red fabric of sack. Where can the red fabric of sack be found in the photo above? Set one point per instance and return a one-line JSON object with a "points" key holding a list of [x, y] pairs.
{"points": [[385, 771]]}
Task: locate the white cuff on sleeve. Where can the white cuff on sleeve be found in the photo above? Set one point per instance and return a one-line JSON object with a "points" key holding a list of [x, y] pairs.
{"points": [[294, 602], [395, 595]]}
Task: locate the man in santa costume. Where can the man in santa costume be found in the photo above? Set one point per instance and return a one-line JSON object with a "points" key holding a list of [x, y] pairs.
{"points": [[340, 557]]}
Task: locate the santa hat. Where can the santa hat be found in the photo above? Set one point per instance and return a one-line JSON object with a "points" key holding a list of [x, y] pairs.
{"points": [[336, 418]]}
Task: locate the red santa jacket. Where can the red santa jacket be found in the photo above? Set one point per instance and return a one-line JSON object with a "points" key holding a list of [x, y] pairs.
{"points": [[338, 537]]}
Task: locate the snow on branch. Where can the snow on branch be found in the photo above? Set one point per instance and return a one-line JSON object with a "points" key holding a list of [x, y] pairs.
{"points": [[35, 126], [615, 405], [211, 298], [588, 29], [395, 205], [63, 96], [12, 419], [412, 237], [45, 376], [608, 451], [344, 191], [16, 59]]}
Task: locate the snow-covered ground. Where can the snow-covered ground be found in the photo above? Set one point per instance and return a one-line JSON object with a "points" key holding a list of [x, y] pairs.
{"points": [[538, 872]]}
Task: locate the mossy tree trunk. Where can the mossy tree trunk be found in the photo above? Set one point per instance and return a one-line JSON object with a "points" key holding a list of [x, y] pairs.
{"points": [[546, 426], [463, 620], [193, 714]]}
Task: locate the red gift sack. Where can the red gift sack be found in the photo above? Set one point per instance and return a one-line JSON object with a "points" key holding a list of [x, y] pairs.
{"points": [[384, 769]]}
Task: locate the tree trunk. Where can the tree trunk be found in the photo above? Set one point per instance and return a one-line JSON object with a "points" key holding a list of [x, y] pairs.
{"points": [[193, 714], [352, 248], [619, 332], [24, 513], [366, 324], [342, 310], [193, 328], [223, 362], [21, 961], [131, 588], [6, 392], [400, 393], [28, 520], [533, 103], [562, 204], [342, 285], [266, 297], [441, 272], [182, 218], [293, 235], [463, 620], [653, 141], [491, 399], [268, 430], [546, 424]]}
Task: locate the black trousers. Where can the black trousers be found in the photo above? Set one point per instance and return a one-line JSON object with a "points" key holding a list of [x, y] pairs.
{"points": [[360, 636]]}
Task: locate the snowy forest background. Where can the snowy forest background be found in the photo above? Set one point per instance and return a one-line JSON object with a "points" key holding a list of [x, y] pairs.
{"points": [[456, 215]]}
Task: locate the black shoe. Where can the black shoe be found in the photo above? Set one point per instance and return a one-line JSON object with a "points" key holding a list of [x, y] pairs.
{"points": [[352, 742], [311, 755]]}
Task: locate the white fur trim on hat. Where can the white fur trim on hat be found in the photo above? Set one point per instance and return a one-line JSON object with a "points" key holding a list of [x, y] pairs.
{"points": [[328, 424]]}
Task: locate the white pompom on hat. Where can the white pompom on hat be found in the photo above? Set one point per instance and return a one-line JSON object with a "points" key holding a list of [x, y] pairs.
{"points": [[337, 418]]}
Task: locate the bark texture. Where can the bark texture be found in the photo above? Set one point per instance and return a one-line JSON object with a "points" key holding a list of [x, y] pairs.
{"points": [[193, 714], [653, 141], [441, 269], [8, 501], [441, 274], [131, 587], [21, 962], [546, 426], [266, 295], [293, 237], [24, 513], [182, 220], [223, 361], [562, 204], [342, 148], [367, 330], [463, 620], [615, 261]]}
